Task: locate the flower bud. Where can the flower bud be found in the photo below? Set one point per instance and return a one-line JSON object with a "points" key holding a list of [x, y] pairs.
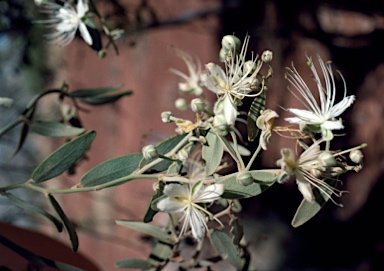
{"points": [[166, 116], [254, 84], [150, 152], [356, 156], [231, 43], [267, 56], [182, 155], [219, 121], [244, 178], [197, 105], [249, 67], [220, 124], [326, 159], [223, 54], [181, 104]]}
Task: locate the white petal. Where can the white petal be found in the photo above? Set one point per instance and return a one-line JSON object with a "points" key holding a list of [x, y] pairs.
{"points": [[81, 8], [305, 189], [305, 116], [197, 222], [170, 205], [174, 190], [230, 112], [85, 33], [332, 125], [209, 193], [340, 107]]}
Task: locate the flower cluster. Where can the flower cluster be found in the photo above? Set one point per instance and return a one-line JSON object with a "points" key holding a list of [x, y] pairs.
{"points": [[316, 168]]}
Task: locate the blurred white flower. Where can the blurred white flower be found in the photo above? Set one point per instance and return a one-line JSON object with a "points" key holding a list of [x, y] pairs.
{"points": [[233, 84], [65, 19], [190, 198], [191, 82], [6, 101], [324, 114]]}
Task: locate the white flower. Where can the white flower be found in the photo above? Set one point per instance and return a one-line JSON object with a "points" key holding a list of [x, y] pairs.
{"points": [[307, 169], [192, 82], [189, 198], [323, 115], [66, 20], [6, 101], [233, 84]]}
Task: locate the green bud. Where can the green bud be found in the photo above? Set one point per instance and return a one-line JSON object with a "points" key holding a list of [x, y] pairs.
{"points": [[150, 152], [244, 178], [197, 105], [182, 155], [356, 156], [230, 43], [326, 159], [267, 56], [223, 54], [181, 104], [249, 67], [220, 122], [166, 116]]}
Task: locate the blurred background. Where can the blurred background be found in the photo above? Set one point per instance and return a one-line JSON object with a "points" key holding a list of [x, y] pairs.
{"points": [[350, 33]]}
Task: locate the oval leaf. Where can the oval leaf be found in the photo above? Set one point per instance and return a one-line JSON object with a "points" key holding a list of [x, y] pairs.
{"points": [[263, 179], [151, 230], [112, 169], [67, 223], [133, 263], [308, 210], [63, 158], [55, 129], [34, 209], [226, 249], [212, 152]]}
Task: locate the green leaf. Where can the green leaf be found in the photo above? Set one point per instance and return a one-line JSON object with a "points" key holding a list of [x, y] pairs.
{"points": [[237, 231], [226, 249], [148, 229], [67, 223], [112, 169], [163, 148], [229, 148], [27, 117], [308, 210], [212, 152], [84, 93], [55, 129], [257, 105], [263, 179], [104, 99], [148, 217], [160, 253], [133, 263], [10, 126], [34, 209], [63, 158]]}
